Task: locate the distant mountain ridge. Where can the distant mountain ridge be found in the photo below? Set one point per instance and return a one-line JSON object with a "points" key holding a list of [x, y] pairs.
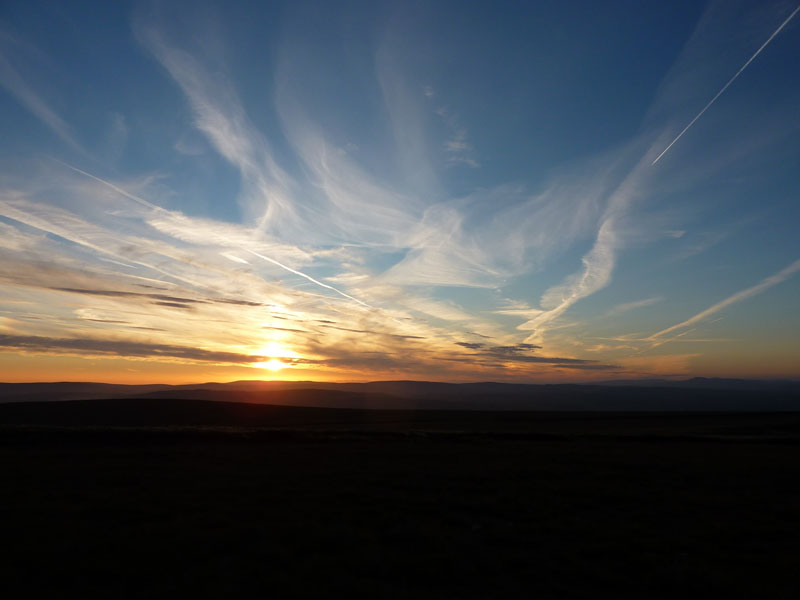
{"points": [[710, 383], [698, 394]]}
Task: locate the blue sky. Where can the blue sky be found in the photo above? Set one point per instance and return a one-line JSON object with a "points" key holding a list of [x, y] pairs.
{"points": [[360, 190]]}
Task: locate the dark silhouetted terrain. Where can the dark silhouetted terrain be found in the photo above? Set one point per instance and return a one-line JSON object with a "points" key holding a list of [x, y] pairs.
{"points": [[129, 416], [156, 497], [649, 395]]}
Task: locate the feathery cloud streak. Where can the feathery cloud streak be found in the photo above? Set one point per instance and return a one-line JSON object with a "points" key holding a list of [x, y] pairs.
{"points": [[744, 294], [23, 91]]}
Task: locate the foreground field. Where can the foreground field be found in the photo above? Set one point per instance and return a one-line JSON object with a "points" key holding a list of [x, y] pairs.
{"points": [[653, 507]]}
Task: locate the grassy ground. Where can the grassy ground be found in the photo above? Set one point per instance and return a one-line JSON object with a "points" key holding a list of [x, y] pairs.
{"points": [[161, 514]]}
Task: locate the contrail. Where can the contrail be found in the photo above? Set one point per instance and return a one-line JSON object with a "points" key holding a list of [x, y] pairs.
{"points": [[301, 274], [730, 81], [761, 286], [119, 190], [158, 208]]}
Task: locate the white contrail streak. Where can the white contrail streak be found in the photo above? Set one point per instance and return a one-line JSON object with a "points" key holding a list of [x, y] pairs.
{"points": [[119, 190], [763, 285], [301, 274], [730, 81], [158, 208]]}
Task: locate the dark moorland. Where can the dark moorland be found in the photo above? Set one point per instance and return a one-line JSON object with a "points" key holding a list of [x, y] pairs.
{"points": [[154, 497]]}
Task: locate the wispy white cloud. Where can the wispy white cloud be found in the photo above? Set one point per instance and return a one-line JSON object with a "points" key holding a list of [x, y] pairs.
{"points": [[628, 306], [406, 109], [12, 238], [206, 232], [598, 263], [18, 86], [219, 114], [694, 244], [351, 206], [458, 149]]}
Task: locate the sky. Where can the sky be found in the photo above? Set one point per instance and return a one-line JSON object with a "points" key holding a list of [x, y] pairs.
{"points": [[549, 191]]}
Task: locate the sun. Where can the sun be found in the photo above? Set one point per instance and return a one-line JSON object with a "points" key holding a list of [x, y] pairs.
{"points": [[273, 364], [274, 352]]}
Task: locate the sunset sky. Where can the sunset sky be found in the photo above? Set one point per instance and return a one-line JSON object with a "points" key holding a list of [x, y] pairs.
{"points": [[348, 191]]}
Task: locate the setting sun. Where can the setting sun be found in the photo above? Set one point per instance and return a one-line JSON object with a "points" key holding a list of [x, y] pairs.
{"points": [[272, 364], [273, 352]]}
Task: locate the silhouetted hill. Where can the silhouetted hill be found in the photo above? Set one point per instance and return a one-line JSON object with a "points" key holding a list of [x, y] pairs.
{"points": [[653, 395], [710, 383], [70, 390]]}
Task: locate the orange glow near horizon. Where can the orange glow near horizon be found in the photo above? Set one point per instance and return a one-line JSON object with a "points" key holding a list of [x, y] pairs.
{"points": [[20, 368]]}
